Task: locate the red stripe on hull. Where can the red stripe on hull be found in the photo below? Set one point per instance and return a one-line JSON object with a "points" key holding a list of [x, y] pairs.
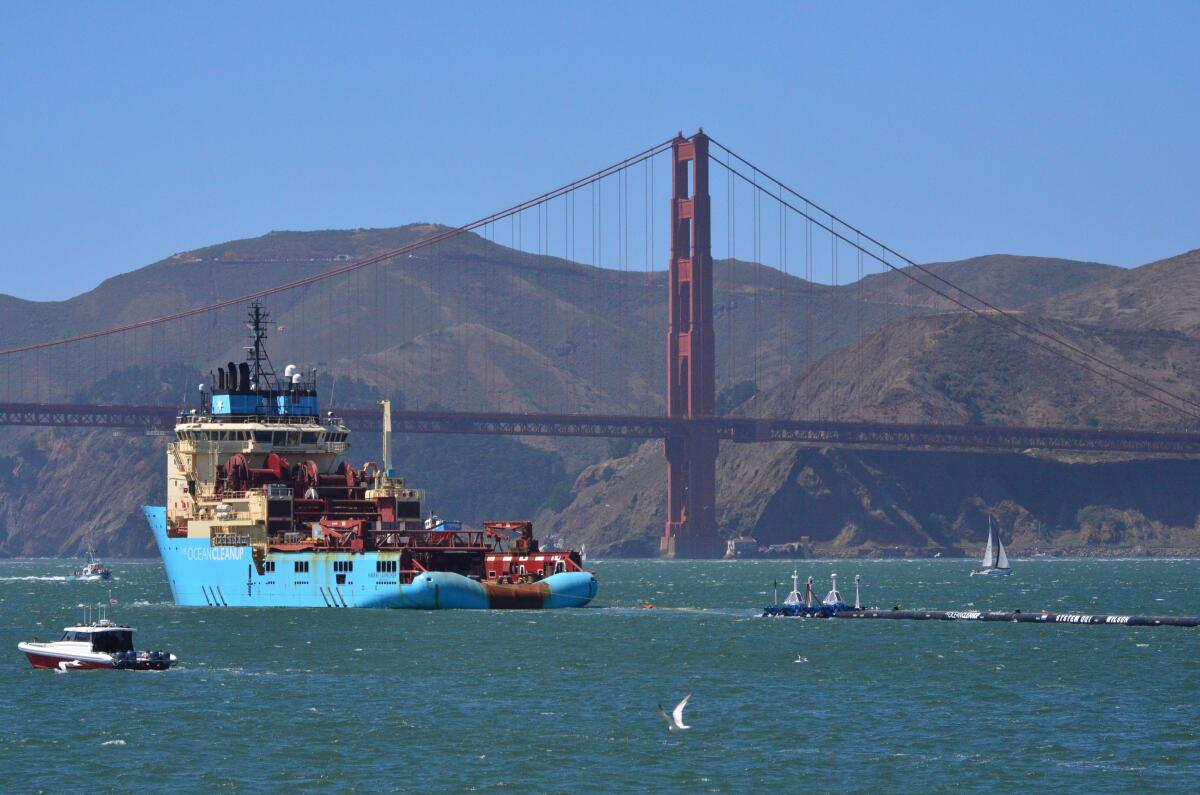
{"points": [[49, 661]]}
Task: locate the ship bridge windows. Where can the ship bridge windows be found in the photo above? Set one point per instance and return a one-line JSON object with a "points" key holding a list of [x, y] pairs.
{"points": [[300, 566], [308, 437], [387, 566], [343, 566], [215, 436], [262, 436]]}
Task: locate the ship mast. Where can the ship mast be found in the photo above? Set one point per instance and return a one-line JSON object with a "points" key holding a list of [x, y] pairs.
{"points": [[256, 354]]}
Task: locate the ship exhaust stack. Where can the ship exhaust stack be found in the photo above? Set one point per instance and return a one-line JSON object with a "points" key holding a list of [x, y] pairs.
{"points": [[387, 436]]}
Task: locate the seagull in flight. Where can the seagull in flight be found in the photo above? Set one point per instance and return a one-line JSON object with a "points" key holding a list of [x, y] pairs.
{"points": [[675, 719]]}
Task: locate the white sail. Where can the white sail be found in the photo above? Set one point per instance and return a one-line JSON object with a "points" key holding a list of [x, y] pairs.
{"points": [[1001, 558], [988, 554]]}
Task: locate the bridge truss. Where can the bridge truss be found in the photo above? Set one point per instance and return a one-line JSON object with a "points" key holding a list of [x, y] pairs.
{"points": [[810, 433]]}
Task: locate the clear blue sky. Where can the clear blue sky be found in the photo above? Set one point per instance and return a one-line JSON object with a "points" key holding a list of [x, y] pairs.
{"points": [[129, 132]]}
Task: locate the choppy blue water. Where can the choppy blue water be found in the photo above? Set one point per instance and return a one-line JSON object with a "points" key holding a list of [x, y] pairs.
{"points": [[564, 701]]}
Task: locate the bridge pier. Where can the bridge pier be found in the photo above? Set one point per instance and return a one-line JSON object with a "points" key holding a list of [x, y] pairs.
{"points": [[691, 529]]}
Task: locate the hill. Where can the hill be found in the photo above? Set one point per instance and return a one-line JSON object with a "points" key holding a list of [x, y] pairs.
{"points": [[1161, 295], [951, 369], [475, 325]]}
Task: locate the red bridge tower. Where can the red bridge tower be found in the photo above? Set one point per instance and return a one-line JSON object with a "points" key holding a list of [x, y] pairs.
{"points": [[691, 530]]}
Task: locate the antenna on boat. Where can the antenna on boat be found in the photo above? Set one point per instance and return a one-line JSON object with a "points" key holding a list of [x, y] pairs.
{"points": [[793, 598], [834, 597], [857, 601]]}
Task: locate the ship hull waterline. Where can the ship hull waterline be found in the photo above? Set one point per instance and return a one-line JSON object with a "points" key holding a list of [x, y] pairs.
{"points": [[202, 575]]}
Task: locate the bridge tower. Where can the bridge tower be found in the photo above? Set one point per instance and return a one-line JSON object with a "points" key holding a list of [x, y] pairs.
{"points": [[691, 529]]}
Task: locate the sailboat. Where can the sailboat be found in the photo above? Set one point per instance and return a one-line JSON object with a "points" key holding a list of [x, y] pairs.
{"points": [[995, 561]]}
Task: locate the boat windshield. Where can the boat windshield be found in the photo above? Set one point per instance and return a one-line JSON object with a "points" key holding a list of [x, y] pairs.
{"points": [[112, 641], [81, 637]]}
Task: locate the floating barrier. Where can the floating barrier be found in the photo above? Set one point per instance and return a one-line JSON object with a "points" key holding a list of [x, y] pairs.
{"points": [[805, 605], [822, 611]]}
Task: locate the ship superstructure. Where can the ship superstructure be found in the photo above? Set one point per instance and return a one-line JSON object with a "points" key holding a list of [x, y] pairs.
{"points": [[264, 509]]}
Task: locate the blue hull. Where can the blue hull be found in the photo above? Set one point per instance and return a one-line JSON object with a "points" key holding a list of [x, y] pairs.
{"points": [[201, 575]]}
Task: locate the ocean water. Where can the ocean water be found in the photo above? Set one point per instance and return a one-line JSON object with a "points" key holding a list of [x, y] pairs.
{"points": [[564, 701]]}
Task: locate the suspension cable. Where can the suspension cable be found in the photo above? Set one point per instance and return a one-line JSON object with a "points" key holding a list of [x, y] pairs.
{"points": [[417, 245], [988, 305], [989, 317]]}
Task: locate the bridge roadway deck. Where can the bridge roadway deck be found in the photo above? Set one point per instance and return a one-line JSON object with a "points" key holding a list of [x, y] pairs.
{"points": [[814, 433]]}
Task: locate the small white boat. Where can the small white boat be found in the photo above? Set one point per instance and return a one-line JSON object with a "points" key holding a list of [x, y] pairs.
{"points": [[98, 644], [92, 570], [995, 560]]}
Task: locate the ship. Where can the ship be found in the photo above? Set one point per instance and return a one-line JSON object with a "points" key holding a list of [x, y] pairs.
{"points": [[92, 569], [94, 644], [264, 509]]}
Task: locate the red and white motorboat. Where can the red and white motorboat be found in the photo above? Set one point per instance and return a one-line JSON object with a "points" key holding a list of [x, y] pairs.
{"points": [[100, 644]]}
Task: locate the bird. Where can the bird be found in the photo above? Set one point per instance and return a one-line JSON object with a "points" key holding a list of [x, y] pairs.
{"points": [[675, 719]]}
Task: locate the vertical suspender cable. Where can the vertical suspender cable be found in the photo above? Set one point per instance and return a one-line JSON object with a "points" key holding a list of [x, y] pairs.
{"points": [[833, 314], [756, 242]]}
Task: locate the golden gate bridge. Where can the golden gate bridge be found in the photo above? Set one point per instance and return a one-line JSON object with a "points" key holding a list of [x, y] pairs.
{"points": [[410, 312]]}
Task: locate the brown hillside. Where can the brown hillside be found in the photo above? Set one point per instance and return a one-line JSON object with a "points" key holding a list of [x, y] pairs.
{"points": [[473, 325], [1005, 280], [951, 369], [1161, 295]]}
